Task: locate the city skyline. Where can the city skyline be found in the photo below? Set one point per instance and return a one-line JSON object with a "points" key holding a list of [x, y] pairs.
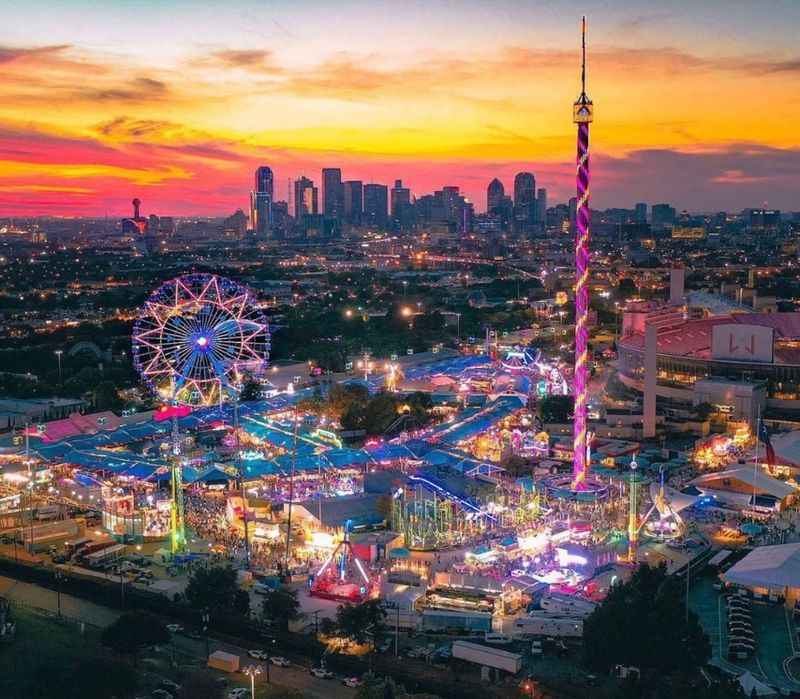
{"points": [[182, 110]]}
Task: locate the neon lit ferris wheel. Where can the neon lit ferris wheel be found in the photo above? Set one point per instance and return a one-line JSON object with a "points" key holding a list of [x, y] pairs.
{"points": [[197, 336]]}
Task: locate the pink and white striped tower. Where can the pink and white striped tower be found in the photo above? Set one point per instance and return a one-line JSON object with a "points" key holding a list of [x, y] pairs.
{"points": [[582, 115]]}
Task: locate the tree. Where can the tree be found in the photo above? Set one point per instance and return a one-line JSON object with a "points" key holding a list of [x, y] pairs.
{"points": [[280, 607], [703, 410], [639, 624], [627, 288], [557, 409], [359, 622], [133, 632], [251, 390], [105, 396], [375, 687], [200, 685], [217, 590]]}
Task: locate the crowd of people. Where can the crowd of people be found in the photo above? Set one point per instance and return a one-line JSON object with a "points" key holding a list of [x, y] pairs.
{"points": [[206, 517]]}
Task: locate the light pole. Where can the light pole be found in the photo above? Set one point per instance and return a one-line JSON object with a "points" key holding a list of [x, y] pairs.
{"points": [[59, 577], [291, 483], [206, 619], [251, 671], [58, 354]]}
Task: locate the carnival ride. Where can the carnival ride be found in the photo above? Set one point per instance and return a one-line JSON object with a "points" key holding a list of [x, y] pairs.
{"points": [[431, 513], [195, 339], [667, 503], [342, 576]]}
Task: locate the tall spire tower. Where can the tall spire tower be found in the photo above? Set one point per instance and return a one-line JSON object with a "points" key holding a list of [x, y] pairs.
{"points": [[582, 114]]}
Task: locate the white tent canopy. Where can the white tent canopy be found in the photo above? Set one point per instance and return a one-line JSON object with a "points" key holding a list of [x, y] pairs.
{"points": [[773, 567], [754, 478]]}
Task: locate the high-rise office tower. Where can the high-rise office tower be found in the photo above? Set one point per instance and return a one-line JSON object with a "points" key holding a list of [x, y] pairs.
{"points": [[494, 195], [261, 201], [583, 112], [376, 205], [524, 200], [401, 208], [305, 198], [332, 192], [662, 215], [641, 212], [541, 205], [353, 201], [573, 211], [264, 180]]}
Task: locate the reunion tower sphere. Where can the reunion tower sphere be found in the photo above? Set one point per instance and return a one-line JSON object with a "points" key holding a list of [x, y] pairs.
{"points": [[197, 337]]}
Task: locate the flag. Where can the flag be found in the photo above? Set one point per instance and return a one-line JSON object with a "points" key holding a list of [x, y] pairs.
{"points": [[763, 435]]}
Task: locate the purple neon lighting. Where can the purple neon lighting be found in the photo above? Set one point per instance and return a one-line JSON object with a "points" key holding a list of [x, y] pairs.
{"points": [[580, 465]]}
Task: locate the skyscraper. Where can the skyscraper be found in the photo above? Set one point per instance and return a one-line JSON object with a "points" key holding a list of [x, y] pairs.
{"points": [[305, 198], [541, 206], [376, 205], [261, 201], [494, 195], [353, 201], [524, 201], [264, 180], [662, 215], [332, 192], [641, 212], [401, 208]]}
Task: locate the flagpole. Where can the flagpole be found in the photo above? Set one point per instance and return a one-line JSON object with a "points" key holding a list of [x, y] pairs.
{"points": [[755, 461]]}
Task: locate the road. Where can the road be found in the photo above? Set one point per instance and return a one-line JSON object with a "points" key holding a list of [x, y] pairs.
{"points": [[77, 609]]}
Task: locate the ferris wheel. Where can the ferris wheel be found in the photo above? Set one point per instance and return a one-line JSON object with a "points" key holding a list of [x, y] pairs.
{"points": [[197, 336]]}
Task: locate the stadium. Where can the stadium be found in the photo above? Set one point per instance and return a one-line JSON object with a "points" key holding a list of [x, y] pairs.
{"points": [[738, 362]]}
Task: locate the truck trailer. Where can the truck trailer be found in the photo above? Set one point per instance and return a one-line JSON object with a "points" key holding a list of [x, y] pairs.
{"points": [[488, 657]]}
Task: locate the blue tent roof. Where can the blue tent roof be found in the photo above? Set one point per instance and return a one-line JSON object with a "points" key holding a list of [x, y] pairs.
{"points": [[390, 452], [213, 474], [339, 458]]}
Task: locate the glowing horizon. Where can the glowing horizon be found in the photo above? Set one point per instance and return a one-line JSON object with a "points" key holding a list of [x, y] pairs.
{"points": [[178, 103]]}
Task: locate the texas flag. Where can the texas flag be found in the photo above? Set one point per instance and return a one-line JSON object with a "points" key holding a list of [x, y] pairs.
{"points": [[763, 435]]}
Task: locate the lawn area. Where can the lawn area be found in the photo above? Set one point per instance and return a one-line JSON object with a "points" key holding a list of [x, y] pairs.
{"points": [[39, 642]]}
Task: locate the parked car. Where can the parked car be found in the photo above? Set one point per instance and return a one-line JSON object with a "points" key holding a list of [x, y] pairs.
{"points": [[280, 661], [170, 686], [258, 654], [238, 693], [352, 682], [174, 628], [322, 673]]}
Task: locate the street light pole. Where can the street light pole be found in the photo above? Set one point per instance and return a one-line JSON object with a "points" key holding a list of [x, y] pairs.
{"points": [[251, 671], [59, 577], [58, 354], [206, 618], [291, 491]]}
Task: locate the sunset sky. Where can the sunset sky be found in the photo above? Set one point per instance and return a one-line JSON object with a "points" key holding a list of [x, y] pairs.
{"points": [[178, 102]]}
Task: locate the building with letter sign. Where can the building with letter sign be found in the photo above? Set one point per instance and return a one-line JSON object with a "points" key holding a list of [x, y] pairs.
{"points": [[740, 342], [762, 349]]}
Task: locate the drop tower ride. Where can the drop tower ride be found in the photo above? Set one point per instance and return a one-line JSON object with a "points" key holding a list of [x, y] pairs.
{"points": [[582, 114]]}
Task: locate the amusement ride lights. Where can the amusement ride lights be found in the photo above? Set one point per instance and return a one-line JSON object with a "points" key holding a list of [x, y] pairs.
{"points": [[582, 116]]}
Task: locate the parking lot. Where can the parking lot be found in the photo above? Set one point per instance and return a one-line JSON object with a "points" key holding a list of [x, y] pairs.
{"points": [[774, 632]]}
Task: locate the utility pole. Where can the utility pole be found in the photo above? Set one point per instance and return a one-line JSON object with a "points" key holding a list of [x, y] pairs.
{"points": [[238, 465], [291, 490], [58, 354], [397, 631]]}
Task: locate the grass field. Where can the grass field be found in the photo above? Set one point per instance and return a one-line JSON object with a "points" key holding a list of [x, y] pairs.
{"points": [[47, 645], [41, 642]]}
